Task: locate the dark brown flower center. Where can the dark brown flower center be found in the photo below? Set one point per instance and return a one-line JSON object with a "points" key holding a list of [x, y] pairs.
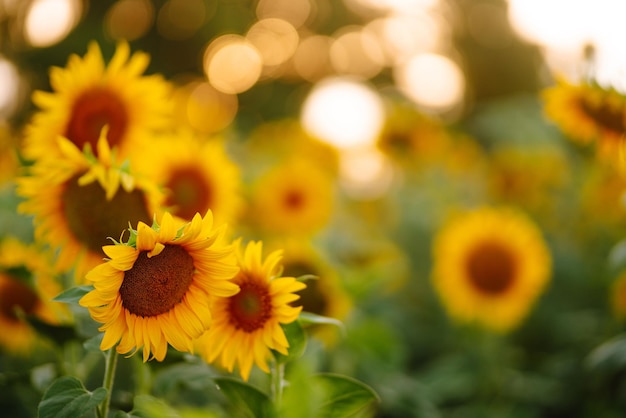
{"points": [[92, 218], [606, 116], [91, 112], [190, 193], [293, 200], [155, 285], [16, 296], [491, 268], [250, 309]]}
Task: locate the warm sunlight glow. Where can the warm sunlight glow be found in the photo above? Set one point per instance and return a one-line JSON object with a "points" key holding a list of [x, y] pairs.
{"points": [[275, 39], [129, 19], [295, 12], [9, 86], [432, 81], [232, 64], [50, 21], [356, 52], [343, 112], [365, 173]]}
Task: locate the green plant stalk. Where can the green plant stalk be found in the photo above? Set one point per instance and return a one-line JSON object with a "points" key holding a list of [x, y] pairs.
{"points": [[277, 377], [109, 375]]}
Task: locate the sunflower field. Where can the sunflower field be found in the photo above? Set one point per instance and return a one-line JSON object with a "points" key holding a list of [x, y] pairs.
{"points": [[312, 208]]}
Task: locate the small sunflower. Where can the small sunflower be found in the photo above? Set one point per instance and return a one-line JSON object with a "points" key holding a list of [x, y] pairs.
{"points": [[293, 198], [79, 201], [154, 289], [247, 326], [196, 174], [325, 295], [587, 113], [88, 94], [27, 286], [490, 265]]}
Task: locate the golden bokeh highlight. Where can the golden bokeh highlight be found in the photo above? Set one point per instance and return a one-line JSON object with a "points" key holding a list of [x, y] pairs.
{"points": [[181, 19], [356, 52], [129, 19], [296, 12], [232, 64], [275, 39], [204, 108], [311, 60], [48, 22]]}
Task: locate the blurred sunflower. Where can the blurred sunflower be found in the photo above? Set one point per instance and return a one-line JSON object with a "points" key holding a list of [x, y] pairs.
{"points": [[9, 160], [27, 286], [324, 295], [283, 139], [78, 204], [511, 182], [617, 296], [587, 113], [293, 198], [154, 289], [409, 136], [490, 265], [247, 326], [197, 175], [87, 95]]}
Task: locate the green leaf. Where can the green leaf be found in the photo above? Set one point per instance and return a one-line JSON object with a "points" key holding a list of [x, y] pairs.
{"points": [[93, 343], [344, 397], [307, 277], [309, 318], [247, 401], [297, 343], [73, 294], [67, 397], [609, 356], [146, 406]]}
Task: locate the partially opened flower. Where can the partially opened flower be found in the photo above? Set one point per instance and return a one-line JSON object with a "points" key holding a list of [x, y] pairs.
{"points": [[79, 201], [490, 266], [155, 288], [89, 94], [247, 326]]}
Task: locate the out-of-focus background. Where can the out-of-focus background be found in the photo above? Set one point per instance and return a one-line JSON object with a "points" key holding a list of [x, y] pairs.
{"points": [[419, 109]]}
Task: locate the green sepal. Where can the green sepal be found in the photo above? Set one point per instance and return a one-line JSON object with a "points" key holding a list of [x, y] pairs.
{"points": [[73, 294]]}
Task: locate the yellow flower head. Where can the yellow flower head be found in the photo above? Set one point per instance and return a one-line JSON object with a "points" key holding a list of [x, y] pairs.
{"points": [[155, 288], [196, 173], [247, 326], [587, 113], [294, 198], [88, 95], [490, 265], [27, 286], [79, 201]]}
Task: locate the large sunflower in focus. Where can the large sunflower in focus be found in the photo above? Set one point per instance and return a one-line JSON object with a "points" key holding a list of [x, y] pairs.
{"points": [[196, 174], [293, 198], [247, 326], [155, 288], [27, 286], [490, 265], [88, 94], [79, 201], [587, 113]]}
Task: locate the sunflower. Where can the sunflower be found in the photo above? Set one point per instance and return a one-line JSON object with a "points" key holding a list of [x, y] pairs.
{"points": [[79, 201], [490, 265], [27, 286], [587, 113], [196, 174], [154, 289], [293, 198], [247, 326], [325, 295], [87, 95]]}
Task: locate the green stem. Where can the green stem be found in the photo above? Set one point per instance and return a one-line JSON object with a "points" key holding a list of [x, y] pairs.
{"points": [[278, 375], [109, 374]]}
